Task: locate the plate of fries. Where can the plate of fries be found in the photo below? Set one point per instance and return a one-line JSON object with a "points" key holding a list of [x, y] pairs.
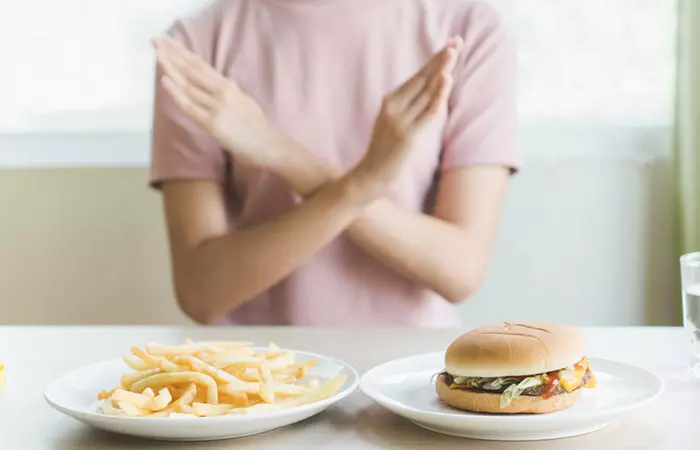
{"points": [[202, 390]]}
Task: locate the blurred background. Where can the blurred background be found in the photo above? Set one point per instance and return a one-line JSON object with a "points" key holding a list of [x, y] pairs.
{"points": [[593, 226]]}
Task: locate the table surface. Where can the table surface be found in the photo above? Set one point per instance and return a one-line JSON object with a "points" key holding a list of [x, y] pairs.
{"points": [[34, 356]]}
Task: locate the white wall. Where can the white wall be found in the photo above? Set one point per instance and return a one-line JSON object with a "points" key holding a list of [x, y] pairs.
{"points": [[586, 241]]}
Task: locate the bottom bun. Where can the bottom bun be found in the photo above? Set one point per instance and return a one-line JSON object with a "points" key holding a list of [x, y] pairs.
{"points": [[491, 403]]}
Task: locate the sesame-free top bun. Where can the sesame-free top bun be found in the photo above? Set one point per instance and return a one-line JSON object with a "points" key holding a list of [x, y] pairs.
{"points": [[517, 349], [485, 402]]}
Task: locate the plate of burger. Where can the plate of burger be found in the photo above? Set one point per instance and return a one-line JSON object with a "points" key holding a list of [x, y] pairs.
{"points": [[512, 382]]}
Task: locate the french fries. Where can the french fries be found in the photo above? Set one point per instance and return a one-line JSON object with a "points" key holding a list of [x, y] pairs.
{"points": [[207, 379]]}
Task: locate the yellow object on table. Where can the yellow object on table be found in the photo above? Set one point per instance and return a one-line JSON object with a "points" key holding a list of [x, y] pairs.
{"points": [[2, 375]]}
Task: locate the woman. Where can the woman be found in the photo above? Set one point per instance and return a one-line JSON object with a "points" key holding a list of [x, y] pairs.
{"points": [[333, 162]]}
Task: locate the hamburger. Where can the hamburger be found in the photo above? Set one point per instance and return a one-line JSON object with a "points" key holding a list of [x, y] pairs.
{"points": [[516, 368]]}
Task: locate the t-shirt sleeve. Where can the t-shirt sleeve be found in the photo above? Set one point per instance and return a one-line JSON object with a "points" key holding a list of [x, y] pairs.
{"points": [[481, 125], [180, 149]]}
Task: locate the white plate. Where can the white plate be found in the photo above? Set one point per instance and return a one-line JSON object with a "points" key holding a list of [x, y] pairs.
{"points": [[406, 387], [75, 393]]}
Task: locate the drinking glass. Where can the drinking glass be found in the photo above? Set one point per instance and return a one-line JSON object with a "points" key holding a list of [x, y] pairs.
{"points": [[690, 280]]}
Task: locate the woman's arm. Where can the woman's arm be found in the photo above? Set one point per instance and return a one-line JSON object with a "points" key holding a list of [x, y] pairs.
{"points": [[446, 252], [216, 269]]}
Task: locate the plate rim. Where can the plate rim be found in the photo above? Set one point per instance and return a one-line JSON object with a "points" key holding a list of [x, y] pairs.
{"points": [[354, 378], [385, 400]]}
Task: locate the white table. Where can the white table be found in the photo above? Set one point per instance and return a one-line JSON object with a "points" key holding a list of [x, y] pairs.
{"points": [[34, 356]]}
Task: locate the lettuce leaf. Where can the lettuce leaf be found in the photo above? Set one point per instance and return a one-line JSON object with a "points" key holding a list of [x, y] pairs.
{"points": [[498, 383], [489, 384], [514, 390]]}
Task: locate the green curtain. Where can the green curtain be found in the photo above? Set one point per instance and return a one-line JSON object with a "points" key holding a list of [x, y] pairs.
{"points": [[687, 148]]}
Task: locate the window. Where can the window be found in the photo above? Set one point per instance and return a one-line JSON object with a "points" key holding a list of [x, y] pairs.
{"points": [[80, 65], [599, 61], [86, 66]]}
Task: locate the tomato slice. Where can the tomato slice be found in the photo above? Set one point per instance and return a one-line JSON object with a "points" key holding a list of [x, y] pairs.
{"points": [[551, 386]]}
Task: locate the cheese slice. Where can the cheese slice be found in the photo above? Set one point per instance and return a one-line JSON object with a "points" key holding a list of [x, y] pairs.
{"points": [[571, 379], [591, 383]]}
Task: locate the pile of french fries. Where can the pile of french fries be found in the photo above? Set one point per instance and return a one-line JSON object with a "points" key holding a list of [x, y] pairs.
{"points": [[207, 379]]}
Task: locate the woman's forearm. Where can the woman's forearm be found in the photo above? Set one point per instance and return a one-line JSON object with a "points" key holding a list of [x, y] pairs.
{"points": [[222, 273], [424, 249]]}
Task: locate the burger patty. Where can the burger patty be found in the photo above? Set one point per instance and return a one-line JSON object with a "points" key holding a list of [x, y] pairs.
{"points": [[536, 391]]}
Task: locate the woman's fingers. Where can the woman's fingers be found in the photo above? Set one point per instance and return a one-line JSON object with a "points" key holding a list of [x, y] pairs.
{"points": [[411, 88], [416, 84], [428, 95], [195, 111], [191, 57], [440, 97], [425, 99], [194, 92], [190, 65]]}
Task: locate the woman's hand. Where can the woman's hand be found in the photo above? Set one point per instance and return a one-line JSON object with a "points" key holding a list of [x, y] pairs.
{"points": [[216, 103], [404, 115]]}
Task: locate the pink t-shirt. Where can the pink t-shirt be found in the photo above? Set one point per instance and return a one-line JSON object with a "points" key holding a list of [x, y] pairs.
{"points": [[319, 70]]}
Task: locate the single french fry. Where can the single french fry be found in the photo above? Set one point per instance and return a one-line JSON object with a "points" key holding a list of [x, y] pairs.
{"points": [[131, 410], [267, 394], [184, 409], [207, 410], [138, 400], [130, 378], [265, 373], [249, 361], [162, 413], [230, 389], [102, 395], [148, 392], [135, 363], [164, 379]]}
